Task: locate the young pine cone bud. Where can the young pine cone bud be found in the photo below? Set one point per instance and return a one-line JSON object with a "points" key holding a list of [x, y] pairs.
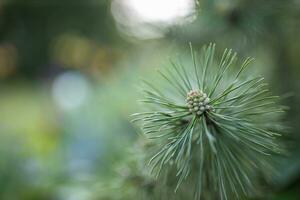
{"points": [[198, 102]]}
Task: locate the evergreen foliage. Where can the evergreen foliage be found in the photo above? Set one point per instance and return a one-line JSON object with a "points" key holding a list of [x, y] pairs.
{"points": [[214, 125]]}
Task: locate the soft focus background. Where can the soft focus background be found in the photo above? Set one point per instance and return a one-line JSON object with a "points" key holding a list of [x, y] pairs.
{"points": [[69, 71]]}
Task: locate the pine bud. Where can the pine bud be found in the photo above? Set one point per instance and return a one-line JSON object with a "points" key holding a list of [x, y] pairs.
{"points": [[197, 99]]}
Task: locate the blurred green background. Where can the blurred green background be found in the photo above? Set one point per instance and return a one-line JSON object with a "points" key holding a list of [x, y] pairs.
{"points": [[69, 72]]}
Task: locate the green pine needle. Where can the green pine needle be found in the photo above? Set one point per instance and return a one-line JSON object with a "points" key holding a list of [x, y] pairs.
{"points": [[213, 125]]}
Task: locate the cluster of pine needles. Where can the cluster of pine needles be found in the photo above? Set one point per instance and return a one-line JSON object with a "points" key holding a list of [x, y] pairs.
{"points": [[230, 143]]}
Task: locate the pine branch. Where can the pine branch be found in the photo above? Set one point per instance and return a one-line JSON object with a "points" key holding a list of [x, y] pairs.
{"points": [[214, 129]]}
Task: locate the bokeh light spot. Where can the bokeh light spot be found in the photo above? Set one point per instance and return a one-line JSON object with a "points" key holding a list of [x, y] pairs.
{"points": [[70, 90], [147, 19]]}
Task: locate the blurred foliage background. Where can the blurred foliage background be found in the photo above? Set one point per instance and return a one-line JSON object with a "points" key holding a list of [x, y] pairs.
{"points": [[69, 72]]}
